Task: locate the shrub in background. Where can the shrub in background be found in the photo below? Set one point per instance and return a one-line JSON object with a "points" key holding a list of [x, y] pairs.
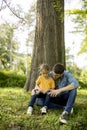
{"points": [[79, 74], [12, 79], [83, 79]]}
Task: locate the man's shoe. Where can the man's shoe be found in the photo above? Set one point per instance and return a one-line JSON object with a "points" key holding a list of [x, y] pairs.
{"points": [[29, 111], [44, 110], [63, 118]]}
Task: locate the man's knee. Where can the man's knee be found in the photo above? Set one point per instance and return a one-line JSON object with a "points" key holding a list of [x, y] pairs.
{"points": [[73, 92]]}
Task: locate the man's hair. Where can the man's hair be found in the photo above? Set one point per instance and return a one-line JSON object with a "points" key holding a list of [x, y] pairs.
{"points": [[58, 68]]}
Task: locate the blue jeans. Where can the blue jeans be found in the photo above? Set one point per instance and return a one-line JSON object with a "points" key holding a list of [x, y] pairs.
{"points": [[64, 100], [45, 96]]}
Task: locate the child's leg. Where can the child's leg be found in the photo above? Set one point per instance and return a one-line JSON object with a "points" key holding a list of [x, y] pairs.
{"points": [[46, 103], [32, 101], [47, 99], [33, 98], [31, 104]]}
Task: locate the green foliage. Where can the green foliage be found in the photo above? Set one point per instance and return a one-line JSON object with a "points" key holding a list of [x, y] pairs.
{"points": [[12, 79], [80, 74], [80, 20], [73, 68], [7, 45], [58, 6], [24, 63], [13, 108], [83, 79], [83, 47], [76, 11]]}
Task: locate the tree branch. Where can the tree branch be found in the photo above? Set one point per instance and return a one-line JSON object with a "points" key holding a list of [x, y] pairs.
{"points": [[2, 7], [13, 11]]}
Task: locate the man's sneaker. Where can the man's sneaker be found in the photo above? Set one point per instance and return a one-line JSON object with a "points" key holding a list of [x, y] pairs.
{"points": [[44, 110], [63, 118], [29, 111]]}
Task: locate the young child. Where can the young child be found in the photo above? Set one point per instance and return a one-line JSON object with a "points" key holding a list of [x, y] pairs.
{"points": [[44, 84]]}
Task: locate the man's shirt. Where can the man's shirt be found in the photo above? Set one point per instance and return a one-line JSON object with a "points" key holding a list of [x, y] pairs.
{"points": [[66, 79]]}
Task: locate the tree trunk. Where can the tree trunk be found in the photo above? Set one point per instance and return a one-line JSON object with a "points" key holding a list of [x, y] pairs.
{"points": [[49, 44]]}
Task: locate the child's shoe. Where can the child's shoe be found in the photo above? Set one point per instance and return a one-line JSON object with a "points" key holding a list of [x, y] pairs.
{"points": [[29, 111], [44, 110]]}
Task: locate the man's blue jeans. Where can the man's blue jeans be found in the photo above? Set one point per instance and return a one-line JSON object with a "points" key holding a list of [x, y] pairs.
{"points": [[64, 100]]}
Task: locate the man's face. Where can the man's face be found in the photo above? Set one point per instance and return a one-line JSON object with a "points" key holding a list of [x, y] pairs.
{"points": [[56, 76]]}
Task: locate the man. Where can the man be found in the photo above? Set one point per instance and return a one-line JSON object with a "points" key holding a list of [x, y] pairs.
{"points": [[66, 90]]}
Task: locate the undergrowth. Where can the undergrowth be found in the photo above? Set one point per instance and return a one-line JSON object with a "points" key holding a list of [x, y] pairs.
{"points": [[13, 108]]}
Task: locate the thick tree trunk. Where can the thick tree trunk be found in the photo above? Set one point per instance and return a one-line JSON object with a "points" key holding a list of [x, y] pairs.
{"points": [[49, 44]]}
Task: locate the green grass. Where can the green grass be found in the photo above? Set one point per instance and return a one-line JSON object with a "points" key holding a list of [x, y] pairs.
{"points": [[13, 107]]}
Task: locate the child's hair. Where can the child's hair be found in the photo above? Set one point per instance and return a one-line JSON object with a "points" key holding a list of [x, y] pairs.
{"points": [[58, 68], [44, 66]]}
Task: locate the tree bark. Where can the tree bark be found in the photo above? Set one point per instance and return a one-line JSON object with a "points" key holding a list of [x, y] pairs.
{"points": [[49, 44]]}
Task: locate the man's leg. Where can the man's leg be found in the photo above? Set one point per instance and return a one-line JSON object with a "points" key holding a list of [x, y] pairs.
{"points": [[69, 104], [71, 100], [65, 99]]}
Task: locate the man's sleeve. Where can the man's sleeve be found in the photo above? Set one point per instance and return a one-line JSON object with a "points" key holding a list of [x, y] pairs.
{"points": [[72, 80]]}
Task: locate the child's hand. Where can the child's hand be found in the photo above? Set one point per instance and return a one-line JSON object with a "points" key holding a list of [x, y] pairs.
{"points": [[33, 92], [36, 91]]}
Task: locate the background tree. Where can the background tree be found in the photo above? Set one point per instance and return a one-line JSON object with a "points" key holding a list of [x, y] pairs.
{"points": [[7, 45], [49, 37], [79, 17], [11, 57]]}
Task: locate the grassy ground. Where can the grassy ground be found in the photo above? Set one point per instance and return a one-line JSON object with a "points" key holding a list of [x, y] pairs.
{"points": [[13, 107]]}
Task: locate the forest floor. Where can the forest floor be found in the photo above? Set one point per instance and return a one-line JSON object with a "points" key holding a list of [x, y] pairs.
{"points": [[13, 109]]}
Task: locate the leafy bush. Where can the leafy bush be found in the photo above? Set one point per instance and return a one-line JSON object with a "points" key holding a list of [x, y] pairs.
{"points": [[11, 79]]}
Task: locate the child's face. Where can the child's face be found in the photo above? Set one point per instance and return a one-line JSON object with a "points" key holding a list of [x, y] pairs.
{"points": [[45, 73]]}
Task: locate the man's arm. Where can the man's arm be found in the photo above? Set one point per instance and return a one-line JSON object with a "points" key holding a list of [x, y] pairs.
{"points": [[60, 90], [73, 84]]}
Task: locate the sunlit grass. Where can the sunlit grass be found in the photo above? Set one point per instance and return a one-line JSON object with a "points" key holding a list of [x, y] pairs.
{"points": [[13, 108], [82, 91]]}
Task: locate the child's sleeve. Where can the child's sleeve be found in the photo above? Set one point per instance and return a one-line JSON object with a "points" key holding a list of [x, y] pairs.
{"points": [[38, 81]]}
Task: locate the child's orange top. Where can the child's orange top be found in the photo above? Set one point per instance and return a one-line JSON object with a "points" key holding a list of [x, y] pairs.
{"points": [[45, 84]]}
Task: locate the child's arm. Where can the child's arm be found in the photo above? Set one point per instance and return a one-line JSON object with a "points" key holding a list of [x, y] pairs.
{"points": [[36, 90], [37, 87]]}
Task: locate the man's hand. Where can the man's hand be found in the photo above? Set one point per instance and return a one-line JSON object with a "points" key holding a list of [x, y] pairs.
{"points": [[53, 93]]}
